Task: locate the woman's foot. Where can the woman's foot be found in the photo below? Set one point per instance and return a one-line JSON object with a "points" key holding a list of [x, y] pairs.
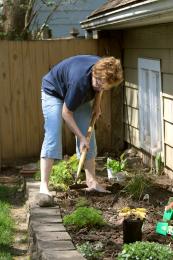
{"points": [[95, 186], [45, 200], [44, 189]]}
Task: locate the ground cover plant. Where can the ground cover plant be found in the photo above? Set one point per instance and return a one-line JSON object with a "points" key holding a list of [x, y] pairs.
{"points": [[84, 217], [145, 251], [91, 251]]}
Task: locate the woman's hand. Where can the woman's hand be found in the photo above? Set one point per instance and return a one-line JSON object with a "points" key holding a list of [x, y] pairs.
{"points": [[169, 206], [83, 143]]}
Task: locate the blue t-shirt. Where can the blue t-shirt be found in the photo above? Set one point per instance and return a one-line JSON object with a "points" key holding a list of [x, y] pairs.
{"points": [[71, 80]]}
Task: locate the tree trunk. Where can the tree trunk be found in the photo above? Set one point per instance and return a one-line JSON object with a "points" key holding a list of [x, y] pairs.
{"points": [[14, 16]]}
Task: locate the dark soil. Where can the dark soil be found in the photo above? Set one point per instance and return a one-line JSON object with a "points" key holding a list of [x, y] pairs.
{"points": [[111, 235]]}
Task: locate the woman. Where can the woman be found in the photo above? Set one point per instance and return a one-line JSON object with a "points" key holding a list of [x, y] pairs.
{"points": [[67, 92]]}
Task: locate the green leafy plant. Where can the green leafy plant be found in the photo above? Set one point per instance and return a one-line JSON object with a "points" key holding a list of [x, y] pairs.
{"points": [[82, 202], [6, 225], [158, 164], [62, 174], [91, 251], [115, 165], [5, 256], [136, 186], [145, 251], [84, 217]]}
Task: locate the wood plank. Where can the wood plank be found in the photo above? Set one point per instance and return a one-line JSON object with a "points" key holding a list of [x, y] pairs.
{"points": [[103, 126], [131, 135], [31, 95], [42, 67], [131, 78], [7, 138], [131, 116], [131, 97], [168, 134], [168, 109], [169, 156], [155, 36], [167, 84], [18, 104], [165, 55]]}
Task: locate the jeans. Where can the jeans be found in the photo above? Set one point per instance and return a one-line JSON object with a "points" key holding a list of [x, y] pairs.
{"points": [[52, 112]]}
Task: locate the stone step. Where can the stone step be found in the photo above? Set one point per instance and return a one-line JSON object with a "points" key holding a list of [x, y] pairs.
{"points": [[48, 238]]}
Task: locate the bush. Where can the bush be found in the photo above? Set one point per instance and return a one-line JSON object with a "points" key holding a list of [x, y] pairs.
{"points": [[62, 175], [145, 251], [90, 251], [84, 217], [6, 225]]}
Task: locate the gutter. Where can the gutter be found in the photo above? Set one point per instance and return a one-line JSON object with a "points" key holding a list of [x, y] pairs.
{"points": [[145, 13]]}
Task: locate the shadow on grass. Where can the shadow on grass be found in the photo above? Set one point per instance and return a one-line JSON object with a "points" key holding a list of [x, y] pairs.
{"points": [[12, 195]]}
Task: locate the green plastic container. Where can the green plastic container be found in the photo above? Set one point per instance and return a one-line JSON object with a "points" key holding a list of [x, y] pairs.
{"points": [[168, 215], [162, 228]]}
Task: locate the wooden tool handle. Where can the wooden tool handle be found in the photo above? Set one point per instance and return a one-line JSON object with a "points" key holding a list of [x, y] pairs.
{"points": [[84, 152]]}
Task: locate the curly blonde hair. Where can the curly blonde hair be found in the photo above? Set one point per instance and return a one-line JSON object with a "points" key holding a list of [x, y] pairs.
{"points": [[108, 69]]}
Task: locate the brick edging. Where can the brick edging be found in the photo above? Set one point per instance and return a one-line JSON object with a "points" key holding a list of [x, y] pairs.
{"points": [[48, 238]]}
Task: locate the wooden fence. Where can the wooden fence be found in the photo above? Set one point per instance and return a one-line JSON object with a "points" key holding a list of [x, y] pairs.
{"points": [[22, 65]]}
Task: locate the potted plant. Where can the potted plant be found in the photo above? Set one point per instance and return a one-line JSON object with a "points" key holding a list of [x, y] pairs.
{"points": [[132, 224], [115, 168]]}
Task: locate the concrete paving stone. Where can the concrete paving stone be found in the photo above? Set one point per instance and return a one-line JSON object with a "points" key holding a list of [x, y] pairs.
{"points": [[32, 185], [54, 236], [47, 211], [45, 219], [62, 255], [54, 245], [48, 227], [53, 207]]}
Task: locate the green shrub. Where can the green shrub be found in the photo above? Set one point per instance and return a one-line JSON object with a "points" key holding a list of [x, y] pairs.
{"points": [[136, 186], [84, 217], [6, 224], [63, 173], [90, 251], [145, 251], [82, 202]]}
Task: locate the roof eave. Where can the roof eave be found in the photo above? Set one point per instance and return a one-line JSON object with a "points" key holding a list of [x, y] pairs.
{"points": [[148, 12]]}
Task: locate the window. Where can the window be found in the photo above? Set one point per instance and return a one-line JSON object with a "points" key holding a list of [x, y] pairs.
{"points": [[149, 79]]}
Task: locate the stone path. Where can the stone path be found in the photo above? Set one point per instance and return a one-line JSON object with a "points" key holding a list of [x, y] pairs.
{"points": [[48, 239]]}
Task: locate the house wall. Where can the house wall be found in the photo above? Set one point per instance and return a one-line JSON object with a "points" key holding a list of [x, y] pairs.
{"points": [[69, 14], [149, 42]]}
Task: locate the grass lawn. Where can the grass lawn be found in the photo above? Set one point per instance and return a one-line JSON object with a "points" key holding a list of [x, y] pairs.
{"points": [[6, 224]]}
